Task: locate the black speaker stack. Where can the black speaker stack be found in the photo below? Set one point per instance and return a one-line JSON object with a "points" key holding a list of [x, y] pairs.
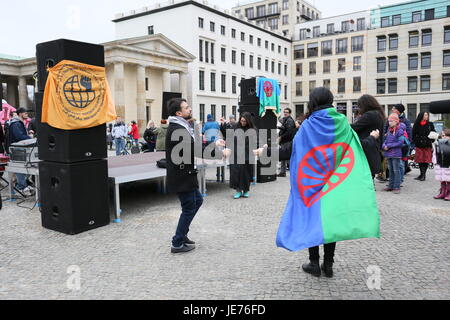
{"points": [[249, 102], [167, 96], [74, 168]]}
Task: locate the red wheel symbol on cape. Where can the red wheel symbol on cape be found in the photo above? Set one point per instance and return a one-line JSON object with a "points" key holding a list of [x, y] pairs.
{"points": [[322, 169]]}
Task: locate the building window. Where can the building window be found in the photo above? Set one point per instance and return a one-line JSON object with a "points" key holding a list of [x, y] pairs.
{"points": [[242, 36], [427, 36], [285, 70], [345, 26], [200, 50], [393, 41], [412, 84], [222, 30], [212, 53], [412, 110], [298, 89], [396, 20], [212, 27], [417, 16], [243, 59], [326, 66], [202, 112], [392, 85], [327, 83], [413, 61], [356, 63], [302, 34], [357, 43], [206, 51], [266, 65], [424, 83], [151, 30], [266, 44], [381, 43], [261, 11], [259, 63], [234, 110], [272, 46], [312, 68], [249, 13], [341, 65], [341, 85], [316, 31], [224, 112], [272, 66], [285, 4], [381, 65], [429, 14], [279, 49], [259, 42], [381, 86], [446, 58], [213, 111], [279, 68], [298, 69], [251, 62], [233, 33], [330, 28], [233, 56], [446, 81], [341, 46], [273, 24], [233, 84], [361, 24], [285, 51], [299, 51], [393, 64], [413, 39], [447, 34], [146, 84], [426, 60], [312, 86], [384, 22], [285, 92], [213, 82], [223, 83], [250, 39], [285, 20], [357, 84], [223, 54], [200, 23], [273, 8], [313, 50], [202, 80], [327, 47]]}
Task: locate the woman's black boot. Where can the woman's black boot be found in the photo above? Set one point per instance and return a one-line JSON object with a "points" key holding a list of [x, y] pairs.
{"points": [[312, 268], [327, 268]]}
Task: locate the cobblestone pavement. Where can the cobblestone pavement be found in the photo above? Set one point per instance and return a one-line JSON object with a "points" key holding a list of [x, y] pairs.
{"points": [[236, 256]]}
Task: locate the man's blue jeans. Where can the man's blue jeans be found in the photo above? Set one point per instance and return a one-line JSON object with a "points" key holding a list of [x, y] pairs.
{"points": [[21, 181], [190, 204], [394, 173], [120, 145]]}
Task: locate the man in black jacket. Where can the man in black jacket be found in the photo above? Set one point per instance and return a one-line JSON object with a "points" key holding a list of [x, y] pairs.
{"points": [[287, 133], [181, 144]]}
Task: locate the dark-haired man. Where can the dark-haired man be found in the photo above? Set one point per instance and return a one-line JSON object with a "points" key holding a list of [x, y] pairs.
{"points": [[286, 135], [181, 170]]}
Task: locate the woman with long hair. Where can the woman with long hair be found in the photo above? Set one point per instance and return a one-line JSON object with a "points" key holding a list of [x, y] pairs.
{"points": [[371, 117], [242, 166], [150, 136], [424, 148]]}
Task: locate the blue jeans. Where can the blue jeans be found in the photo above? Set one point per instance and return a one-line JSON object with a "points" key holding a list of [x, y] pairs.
{"points": [[21, 181], [190, 204], [120, 145], [394, 173], [402, 171], [151, 146]]}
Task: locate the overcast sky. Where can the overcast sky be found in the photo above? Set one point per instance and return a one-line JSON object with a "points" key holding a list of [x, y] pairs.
{"points": [[24, 23]]}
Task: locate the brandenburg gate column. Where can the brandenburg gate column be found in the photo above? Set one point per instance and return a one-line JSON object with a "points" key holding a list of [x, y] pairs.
{"points": [[141, 98], [23, 92], [119, 88]]}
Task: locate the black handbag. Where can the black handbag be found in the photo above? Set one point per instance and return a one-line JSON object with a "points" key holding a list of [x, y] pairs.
{"points": [[162, 164]]}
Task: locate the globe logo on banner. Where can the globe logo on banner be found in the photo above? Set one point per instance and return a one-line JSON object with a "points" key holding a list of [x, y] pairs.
{"points": [[268, 89], [78, 91]]}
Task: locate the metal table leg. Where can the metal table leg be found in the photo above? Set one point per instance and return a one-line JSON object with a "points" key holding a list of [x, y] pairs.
{"points": [[11, 188], [117, 209]]}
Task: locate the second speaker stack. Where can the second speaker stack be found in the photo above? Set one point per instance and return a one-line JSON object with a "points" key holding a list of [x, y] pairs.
{"points": [[74, 167]]}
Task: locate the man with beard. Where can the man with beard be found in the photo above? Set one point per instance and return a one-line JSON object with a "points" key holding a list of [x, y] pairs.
{"points": [[182, 173]]}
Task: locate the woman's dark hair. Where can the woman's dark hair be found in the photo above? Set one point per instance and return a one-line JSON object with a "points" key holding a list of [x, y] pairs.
{"points": [[248, 117], [368, 103], [420, 118], [318, 98], [174, 105]]}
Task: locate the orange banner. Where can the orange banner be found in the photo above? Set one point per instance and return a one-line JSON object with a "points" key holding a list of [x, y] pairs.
{"points": [[77, 96]]}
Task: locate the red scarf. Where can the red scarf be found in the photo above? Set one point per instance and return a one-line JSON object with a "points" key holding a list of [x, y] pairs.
{"points": [[423, 122]]}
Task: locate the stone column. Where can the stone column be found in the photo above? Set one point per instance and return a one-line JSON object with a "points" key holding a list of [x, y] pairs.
{"points": [[183, 84], [166, 81], [119, 88], [23, 92], [141, 98], [11, 91]]}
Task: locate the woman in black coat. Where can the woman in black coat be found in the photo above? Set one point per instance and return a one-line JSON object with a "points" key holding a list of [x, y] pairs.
{"points": [[424, 149], [372, 118], [241, 174]]}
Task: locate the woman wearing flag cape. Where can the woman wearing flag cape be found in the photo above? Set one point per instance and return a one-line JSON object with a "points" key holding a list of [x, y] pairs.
{"points": [[332, 194]]}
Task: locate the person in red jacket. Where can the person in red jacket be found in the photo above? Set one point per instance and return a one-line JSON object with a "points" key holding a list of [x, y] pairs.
{"points": [[134, 133]]}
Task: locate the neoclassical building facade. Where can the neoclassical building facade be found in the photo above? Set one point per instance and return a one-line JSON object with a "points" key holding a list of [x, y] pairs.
{"points": [[138, 70]]}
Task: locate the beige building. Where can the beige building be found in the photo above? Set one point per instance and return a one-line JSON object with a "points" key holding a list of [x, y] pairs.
{"points": [[410, 64], [138, 70], [277, 15]]}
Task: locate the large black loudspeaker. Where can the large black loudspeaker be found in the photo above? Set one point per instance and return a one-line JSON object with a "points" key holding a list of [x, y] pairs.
{"points": [[51, 53], [167, 96], [74, 196], [442, 106], [68, 146], [248, 92]]}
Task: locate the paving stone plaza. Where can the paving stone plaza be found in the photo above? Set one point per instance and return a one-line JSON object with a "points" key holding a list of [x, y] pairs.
{"points": [[236, 256]]}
